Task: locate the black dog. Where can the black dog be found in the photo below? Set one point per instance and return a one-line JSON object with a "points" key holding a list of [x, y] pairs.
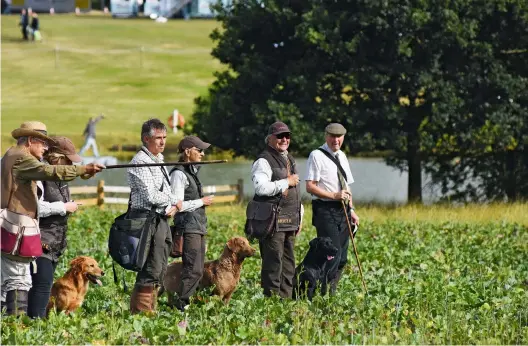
{"points": [[311, 271]]}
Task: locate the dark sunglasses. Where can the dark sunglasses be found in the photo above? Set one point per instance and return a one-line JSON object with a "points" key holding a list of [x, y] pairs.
{"points": [[283, 135]]}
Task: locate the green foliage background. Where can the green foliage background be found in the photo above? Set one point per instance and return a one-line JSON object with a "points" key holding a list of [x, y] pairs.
{"points": [[430, 282]]}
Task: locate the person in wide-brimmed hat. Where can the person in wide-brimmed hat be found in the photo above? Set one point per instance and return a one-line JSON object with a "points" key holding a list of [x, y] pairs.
{"points": [[21, 167], [55, 206]]}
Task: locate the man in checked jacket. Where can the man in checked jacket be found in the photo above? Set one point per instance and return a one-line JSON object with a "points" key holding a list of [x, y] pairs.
{"points": [[150, 189]]}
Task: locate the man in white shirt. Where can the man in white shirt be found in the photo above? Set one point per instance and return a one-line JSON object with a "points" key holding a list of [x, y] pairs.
{"points": [[329, 185], [276, 181]]}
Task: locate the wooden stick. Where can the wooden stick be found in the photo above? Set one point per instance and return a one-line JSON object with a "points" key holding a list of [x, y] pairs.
{"points": [[165, 164], [354, 245]]}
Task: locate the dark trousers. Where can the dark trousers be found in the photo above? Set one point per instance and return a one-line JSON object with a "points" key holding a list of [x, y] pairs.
{"points": [[40, 291], [193, 264], [156, 265], [330, 221], [278, 264]]}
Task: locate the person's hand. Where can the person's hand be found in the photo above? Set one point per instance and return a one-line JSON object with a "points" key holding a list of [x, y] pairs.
{"points": [[355, 218], [175, 208], [208, 200], [293, 180], [172, 211], [342, 195], [93, 168], [71, 206]]}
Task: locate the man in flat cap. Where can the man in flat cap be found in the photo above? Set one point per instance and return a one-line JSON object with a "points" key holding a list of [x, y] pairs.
{"points": [[276, 180], [327, 179], [21, 167], [191, 220]]}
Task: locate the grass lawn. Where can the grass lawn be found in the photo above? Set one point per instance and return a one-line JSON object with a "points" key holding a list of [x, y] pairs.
{"points": [[100, 68]]}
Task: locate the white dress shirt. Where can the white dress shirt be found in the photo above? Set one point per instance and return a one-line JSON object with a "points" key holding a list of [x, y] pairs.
{"points": [[322, 170], [179, 182]]}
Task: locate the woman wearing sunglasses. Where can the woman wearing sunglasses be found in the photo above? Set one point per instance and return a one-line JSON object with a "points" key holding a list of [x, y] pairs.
{"points": [[191, 219], [276, 180]]}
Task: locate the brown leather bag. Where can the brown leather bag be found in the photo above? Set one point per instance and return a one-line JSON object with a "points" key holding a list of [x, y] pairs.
{"points": [[177, 243]]}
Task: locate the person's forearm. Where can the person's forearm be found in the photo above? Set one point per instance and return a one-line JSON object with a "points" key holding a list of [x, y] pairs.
{"points": [[319, 192], [29, 169]]}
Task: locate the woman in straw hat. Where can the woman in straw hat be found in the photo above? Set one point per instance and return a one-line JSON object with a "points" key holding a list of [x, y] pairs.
{"points": [[21, 167]]}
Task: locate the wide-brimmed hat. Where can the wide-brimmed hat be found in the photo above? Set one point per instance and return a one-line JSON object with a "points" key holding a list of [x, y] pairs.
{"points": [[32, 129], [192, 142], [65, 146]]}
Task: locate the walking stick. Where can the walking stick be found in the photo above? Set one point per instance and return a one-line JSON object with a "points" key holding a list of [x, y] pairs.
{"points": [[354, 245]]}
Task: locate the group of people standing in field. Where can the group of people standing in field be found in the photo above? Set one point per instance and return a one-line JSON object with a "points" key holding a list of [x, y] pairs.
{"points": [[34, 175], [30, 29]]}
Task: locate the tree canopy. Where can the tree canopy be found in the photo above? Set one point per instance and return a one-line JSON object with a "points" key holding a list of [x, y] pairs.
{"points": [[440, 84]]}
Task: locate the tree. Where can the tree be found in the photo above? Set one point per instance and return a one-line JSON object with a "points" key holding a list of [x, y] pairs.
{"points": [[400, 75]]}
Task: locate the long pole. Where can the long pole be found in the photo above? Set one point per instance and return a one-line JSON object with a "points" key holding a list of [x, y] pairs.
{"points": [[165, 164], [354, 245]]}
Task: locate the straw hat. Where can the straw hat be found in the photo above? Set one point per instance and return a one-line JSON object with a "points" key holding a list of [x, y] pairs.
{"points": [[32, 129]]}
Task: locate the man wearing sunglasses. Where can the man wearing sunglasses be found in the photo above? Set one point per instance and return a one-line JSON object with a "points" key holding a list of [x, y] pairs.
{"points": [[276, 180], [191, 220]]}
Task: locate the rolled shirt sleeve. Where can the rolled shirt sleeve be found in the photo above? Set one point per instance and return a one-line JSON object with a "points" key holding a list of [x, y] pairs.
{"points": [[261, 175]]}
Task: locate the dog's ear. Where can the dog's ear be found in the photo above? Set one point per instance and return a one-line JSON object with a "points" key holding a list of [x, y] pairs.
{"points": [[231, 244], [314, 242], [77, 263]]}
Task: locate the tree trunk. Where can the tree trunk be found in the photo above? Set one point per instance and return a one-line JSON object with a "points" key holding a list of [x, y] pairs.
{"points": [[510, 183], [414, 162]]}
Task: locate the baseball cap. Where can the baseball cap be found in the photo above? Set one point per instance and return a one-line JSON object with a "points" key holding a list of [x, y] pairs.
{"points": [[192, 141], [278, 127], [65, 146]]}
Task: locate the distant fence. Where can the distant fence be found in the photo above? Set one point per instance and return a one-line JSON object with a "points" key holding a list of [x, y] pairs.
{"points": [[233, 193]]}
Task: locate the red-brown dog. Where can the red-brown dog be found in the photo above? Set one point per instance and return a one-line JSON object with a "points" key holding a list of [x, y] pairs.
{"points": [[223, 273], [67, 293]]}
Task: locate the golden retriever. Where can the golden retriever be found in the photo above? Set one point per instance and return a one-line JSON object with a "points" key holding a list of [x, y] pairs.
{"points": [[223, 273], [67, 293]]}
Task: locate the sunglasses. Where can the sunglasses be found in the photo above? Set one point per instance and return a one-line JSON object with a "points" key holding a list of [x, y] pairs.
{"points": [[199, 150], [283, 135]]}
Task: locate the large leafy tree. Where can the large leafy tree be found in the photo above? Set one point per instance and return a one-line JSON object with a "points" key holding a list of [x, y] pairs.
{"points": [[409, 76]]}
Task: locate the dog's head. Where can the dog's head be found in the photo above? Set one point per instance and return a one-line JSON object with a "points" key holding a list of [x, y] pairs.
{"points": [[323, 248], [87, 267], [240, 246]]}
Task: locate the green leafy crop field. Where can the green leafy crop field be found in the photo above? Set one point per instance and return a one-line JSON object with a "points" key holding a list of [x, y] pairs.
{"points": [[436, 275]]}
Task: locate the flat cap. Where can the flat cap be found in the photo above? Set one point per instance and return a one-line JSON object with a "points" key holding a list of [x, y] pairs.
{"points": [[192, 142], [335, 129]]}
